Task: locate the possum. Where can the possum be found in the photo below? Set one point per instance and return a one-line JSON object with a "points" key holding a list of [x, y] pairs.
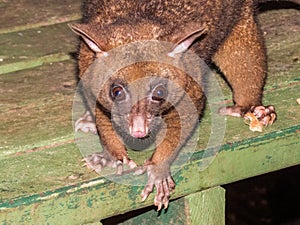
{"points": [[225, 33]]}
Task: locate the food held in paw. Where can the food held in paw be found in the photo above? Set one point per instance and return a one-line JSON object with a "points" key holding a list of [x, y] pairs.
{"points": [[253, 122]]}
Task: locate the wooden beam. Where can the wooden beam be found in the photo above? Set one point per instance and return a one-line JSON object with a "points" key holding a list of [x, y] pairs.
{"points": [[207, 207]]}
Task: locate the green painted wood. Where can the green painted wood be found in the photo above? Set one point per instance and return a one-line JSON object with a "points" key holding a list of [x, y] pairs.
{"points": [[46, 112], [174, 215], [35, 47], [28, 64], [49, 105], [207, 207], [18, 15], [100, 198], [35, 108], [41, 179], [39, 171]]}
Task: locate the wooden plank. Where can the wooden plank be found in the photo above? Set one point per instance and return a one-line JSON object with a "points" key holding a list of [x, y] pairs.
{"points": [[40, 171], [174, 215], [35, 108], [47, 114], [100, 198], [51, 107], [28, 64], [19, 50], [34, 47], [207, 207], [18, 15], [283, 77], [63, 164], [42, 182], [45, 111]]}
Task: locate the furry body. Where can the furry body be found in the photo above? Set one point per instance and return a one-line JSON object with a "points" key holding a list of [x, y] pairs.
{"points": [[231, 39]]}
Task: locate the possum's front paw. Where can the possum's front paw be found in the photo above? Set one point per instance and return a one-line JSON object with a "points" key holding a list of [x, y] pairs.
{"points": [[266, 115], [98, 160], [163, 183], [256, 117], [86, 123]]}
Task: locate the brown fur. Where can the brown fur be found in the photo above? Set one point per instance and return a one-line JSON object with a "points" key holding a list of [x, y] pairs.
{"points": [[232, 40]]}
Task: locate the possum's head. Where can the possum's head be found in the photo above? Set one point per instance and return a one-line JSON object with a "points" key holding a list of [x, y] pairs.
{"points": [[138, 94]]}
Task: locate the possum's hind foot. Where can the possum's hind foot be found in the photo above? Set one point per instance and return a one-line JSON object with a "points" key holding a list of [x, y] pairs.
{"points": [[164, 186], [98, 160], [86, 123], [266, 115]]}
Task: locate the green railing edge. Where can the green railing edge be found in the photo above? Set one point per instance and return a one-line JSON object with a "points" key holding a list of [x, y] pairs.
{"points": [[197, 156], [101, 192]]}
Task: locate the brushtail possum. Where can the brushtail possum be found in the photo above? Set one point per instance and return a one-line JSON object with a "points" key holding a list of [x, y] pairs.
{"points": [[223, 32]]}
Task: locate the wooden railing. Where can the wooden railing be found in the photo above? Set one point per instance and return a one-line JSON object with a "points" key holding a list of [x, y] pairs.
{"points": [[42, 180]]}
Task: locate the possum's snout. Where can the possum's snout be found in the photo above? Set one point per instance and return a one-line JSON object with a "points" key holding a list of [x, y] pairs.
{"points": [[139, 125]]}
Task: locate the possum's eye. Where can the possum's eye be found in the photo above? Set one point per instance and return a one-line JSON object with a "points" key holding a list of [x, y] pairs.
{"points": [[118, 93], [159, 93]]}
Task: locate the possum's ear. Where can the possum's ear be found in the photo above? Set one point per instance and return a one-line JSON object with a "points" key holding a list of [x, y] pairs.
{"points": [[81, 31], [186, 42]]}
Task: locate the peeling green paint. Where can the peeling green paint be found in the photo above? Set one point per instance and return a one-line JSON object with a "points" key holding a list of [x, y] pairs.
{"points": [[12, 67], [113, 193], [43, 160], [268, 157], [89, 203]]}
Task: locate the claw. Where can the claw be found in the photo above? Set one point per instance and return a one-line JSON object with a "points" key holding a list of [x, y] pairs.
{"points": [[158, 206], [147, 190], [164, 186], [140, 171], [266, 115], [86, 124], [129, 162], [273, 118], [144, 197], [97, 161], [119, 168], [166, 204]]}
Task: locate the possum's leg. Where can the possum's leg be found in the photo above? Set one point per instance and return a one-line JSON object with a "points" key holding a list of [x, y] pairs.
{"points": [[178, 128], [242, 59], [114, 153], [158, 166]]}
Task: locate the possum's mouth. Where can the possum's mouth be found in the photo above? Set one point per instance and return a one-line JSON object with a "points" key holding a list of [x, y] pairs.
{"points": [[140, 132], [135, 140], [144, 137]]}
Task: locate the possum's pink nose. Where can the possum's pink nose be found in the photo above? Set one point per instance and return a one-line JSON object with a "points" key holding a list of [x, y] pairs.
{"points": [[139, 134], [139, 127]]}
